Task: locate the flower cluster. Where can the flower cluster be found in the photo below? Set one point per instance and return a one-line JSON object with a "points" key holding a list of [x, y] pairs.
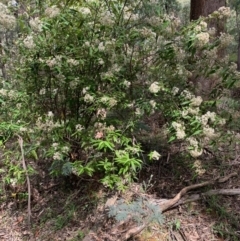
{"points": [[72, 62], [101, 113], [52, 11], [224, 12], [59, 151], [88, 98], [7, 21], [84, 10], [154, 155], [11, 94], [36, 24], [194, 148], [111, 102], [101, 129], [197, 165], [107, 18], [154, 88], [180, 130], [202, 39], [196, 101], [29, 42], [47, 124], [226, 39]]}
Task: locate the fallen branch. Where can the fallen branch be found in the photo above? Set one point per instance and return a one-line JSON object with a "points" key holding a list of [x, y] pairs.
{"points": [[20, 142], [196, 197], [168, 204]]}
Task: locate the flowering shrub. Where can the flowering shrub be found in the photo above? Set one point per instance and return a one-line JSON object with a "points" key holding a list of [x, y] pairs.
{"points": [[86, 74]]}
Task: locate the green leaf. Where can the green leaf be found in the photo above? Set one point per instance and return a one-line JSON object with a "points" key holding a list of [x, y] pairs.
{"points": [[197, 132], [172, 138]]}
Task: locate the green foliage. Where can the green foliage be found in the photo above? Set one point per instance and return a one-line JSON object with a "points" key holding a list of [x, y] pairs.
{"points": [[78, 96], [141, 211]]}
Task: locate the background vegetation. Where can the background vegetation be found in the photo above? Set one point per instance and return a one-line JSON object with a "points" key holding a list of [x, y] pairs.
{"points": [[101, 89]]}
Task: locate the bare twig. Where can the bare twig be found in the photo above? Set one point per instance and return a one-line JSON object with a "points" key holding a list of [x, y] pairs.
{"points": [[196, 197], [20, 141]]}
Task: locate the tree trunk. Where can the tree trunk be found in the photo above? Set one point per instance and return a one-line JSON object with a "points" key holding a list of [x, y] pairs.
{"points": [[204, 8]]}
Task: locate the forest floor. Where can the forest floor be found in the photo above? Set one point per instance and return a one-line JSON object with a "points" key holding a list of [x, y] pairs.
{"points": [[65, 209]]}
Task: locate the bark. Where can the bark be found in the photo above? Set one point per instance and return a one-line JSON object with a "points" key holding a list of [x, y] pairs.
{"points": [[204, 8]]}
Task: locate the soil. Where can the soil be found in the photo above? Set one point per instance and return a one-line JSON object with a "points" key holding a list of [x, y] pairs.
{"points": [[66, 208]]}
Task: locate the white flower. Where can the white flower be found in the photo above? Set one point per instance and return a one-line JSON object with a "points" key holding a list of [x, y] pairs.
{"points": [[211, 115], [186, 94], [8, 21], [180, 134], [209, 132], [88, 98], [28, 42], [57, 156], [101, 113], [100, 61], [180, 130], [184, 113], [55, 145], [84, 90], [196, 101], [155, 155], [50, 114], [51, 62], [193, 111], [65, 149], [175, 90], [52, 11], [36, 24], [3, 92], [3, 8], [192, 142], [222, 122], [203, 25], [101, 47], [110, 128], [42, 91], [153, 103], [138, 111], [126, 83], [112, 102], [84, 10], [202, 38], [72, 62], [107, 18], [154, 87], [198, 167], [79, 127], [196, 152], [224, 12]]}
